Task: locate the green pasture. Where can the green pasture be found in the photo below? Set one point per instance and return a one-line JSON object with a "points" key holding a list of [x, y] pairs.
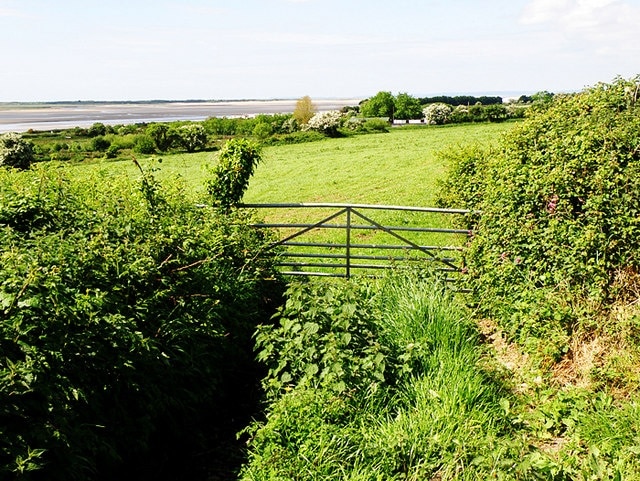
{"points": [[401, 167]]}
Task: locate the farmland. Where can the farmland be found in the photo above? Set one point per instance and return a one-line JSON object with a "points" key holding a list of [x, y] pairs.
{"points": [[532, 376]]}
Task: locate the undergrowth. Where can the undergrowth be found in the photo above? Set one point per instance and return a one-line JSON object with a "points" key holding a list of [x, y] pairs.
{"points": [[382, 380]]}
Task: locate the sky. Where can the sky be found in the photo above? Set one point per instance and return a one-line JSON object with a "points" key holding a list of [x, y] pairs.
{"points": [[285, 49]]}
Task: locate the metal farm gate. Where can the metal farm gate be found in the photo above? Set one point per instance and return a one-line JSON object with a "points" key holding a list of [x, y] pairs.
{"points": [[364, 245]]}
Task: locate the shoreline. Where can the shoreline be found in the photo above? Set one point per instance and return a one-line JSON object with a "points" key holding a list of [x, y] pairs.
{"points": [[17, 117]]}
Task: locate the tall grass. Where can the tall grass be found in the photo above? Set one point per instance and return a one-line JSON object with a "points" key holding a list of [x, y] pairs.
{"points": [[437, 415]]}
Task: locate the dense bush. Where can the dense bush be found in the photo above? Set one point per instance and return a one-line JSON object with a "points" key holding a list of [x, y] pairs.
{"points": [[144, 144], [127, 313], [162, 135], [230, 176], [326, 122], [325, 339], [15, 151], [192, 137], [558, 240], [97, 129], [100, 143], [437, 114]]}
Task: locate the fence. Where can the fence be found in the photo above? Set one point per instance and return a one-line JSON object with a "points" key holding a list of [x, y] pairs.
{"points": [[363, 247]]}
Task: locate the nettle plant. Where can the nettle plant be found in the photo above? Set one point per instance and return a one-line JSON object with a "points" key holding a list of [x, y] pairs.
{"points": [[558, 240]]}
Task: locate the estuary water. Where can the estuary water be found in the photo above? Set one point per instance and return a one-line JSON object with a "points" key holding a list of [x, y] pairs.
{"points": [[43, 116]]}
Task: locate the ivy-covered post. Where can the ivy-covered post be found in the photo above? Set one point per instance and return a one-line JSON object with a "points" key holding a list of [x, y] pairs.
{"points": [[230, 179]]}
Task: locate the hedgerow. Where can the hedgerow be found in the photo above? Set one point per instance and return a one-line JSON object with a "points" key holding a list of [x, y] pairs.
{"points": [[557, 243], [127, 315]]}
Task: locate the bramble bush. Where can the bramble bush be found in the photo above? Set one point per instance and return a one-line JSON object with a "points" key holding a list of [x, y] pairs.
{"points": [[127, 315], [558, 240]]}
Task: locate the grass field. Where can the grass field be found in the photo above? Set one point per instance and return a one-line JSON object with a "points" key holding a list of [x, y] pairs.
{"points": [[401, 167]]}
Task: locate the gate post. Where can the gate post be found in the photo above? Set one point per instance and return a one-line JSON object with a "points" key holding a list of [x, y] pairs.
{"points": [[348, 244]]}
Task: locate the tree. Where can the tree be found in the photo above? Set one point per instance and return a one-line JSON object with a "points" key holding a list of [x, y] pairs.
{"points": [[407, 107], [15, 151], [97, 129], [161, 135], [381, 104], [496, 113], [305, 109], [192, 137]]}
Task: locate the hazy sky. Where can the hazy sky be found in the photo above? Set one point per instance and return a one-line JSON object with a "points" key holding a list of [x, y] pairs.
{"points": [[224, 49]]}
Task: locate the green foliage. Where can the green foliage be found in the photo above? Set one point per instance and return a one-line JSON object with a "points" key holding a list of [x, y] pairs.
{"points": [[435, 413], [144, 144], [375, 125], [407, 107], [126, 314], [325, 337], [380, 105], [100, 143], [15, 151], [230, 177], [162, 137], [496, 113], [222, 126], [462, 100], [560, 217], [97, 129], [192, 137]]}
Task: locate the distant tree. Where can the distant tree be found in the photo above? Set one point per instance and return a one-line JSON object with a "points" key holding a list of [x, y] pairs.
{"points": [[144, 144], [496, 113], [192, 137], [97, 129], [100, 143], [161, 135], [461, 100], [381, 104], [542, 97], [15, 151], [305, 109], [477, 113], [407, 107]]}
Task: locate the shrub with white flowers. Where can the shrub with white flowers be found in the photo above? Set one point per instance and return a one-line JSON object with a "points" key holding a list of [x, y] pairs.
{"points": [[15, 151], [437, 113], [326, 122]]}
